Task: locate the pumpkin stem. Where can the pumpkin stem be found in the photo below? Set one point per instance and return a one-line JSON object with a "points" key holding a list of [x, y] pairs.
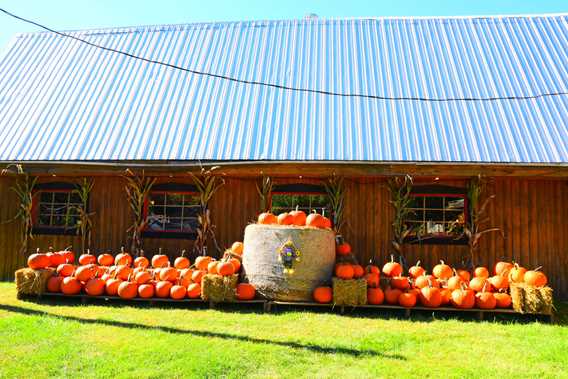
{"points": [[68, 248], [141, 253], [122, 249], [442, 262], [418, 263], [183, 253], [538, 268], [392, 258], [50, 249], [160, 250]]}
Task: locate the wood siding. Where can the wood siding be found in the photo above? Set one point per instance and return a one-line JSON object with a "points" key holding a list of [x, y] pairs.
{"points": [[533, 214]]}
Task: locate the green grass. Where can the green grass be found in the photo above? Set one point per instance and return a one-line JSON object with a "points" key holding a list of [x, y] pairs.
{"points": [[66, 339]]}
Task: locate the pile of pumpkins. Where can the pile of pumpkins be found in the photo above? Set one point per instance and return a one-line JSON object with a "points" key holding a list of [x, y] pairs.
{"points": [[295, 218], [444, 287], [128, 277]]}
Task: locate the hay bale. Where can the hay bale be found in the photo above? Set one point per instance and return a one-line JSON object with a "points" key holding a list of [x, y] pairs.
{"points": [[217, 288], [293, 277], [531, 299], [349, 292], [32, 282]]}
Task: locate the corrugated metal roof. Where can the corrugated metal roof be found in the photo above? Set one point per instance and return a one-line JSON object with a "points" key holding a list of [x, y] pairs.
{"points": [[64, 100]]}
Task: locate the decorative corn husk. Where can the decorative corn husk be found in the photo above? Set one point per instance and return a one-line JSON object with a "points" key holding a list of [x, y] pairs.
{"points": [[335, 188], [217, 288], [32, 282], [264, 189], [351, 292], [137, 189]]}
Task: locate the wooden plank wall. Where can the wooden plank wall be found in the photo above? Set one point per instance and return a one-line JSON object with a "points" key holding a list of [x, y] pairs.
{"points": [[533, 213]]}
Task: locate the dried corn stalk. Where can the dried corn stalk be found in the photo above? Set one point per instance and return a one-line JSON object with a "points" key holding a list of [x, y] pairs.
{"points": [[137, 189], [400, 189], [85, 223], [264, 189], [335, 188]]}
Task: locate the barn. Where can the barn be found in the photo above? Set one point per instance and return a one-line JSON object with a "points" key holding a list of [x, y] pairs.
{"points": [[441, 100]]}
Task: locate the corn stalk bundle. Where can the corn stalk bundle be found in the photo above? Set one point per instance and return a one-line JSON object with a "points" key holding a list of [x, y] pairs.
{"points": [[351, 292], [137, 189], [335, 188], [531, 299], [85, 222], [217, 288], [400, 189], [32, 282], [264, 189]]}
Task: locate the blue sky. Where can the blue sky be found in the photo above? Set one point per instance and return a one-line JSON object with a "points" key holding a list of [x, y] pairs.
{"points": [[78, 14]]}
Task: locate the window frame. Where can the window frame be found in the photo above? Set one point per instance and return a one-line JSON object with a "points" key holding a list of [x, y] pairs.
{"points": [[168, 189], [442, 192], [51, 187]]}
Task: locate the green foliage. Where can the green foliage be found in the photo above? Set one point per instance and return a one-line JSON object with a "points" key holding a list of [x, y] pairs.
{"points": [[137, 189]]}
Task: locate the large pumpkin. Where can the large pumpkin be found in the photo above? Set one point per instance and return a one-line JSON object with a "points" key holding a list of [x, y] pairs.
{"points": [[123, 258], [485, 300], [267, 218], [85, 273], [70, 286], [323, 295], [193, 290], [407, 299], [87, 259], [315, 220], [128, 290], [111, 286], [225, 268], [38, 261], [55, 259], [245, 291], [105, 260], [430, 297], [160, 261], [181, 262], [54, 284], [442, 271], [535, 278], [169, 274], [65, 269], [503, 300], [416, 271], [400, 282], [375, 296], [285, 218], [95, 287], [392, 268], [142, 277], [146, 291], [163, 288], [463, 298], [178, 292]]}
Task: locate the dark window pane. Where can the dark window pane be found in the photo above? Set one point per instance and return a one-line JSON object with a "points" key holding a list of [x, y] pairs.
{"points": [[55, 210], [61, 197], [46, 197], [174, 199]]}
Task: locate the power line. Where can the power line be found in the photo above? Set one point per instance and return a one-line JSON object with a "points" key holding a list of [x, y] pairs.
{"points": [[283, 87]]}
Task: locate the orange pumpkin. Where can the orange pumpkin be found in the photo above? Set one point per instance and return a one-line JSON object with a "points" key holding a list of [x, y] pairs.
{"points": [[65, 269], [343, 249], [358, 271], [95, 287], [323, 295], [245, 291], [84, 273], [400, 282], [181, 262], [442, 271], [465, 275], [169, 274], [55, 259], [163, 288], [373, 269], [193, 290], [111, 286], [502, 268], [373, 280], [146, 290], [225, 268], [416, 271], [430, 297], [446, 295], [481, 272], [237, 248], [315, 220], [455, 282], [185, 277], [426, 280], [197, 275], [202, 262], [70, 286], [54, 284], [267, 218], [236, 264], [212, 267], [178, 292], [123, 272], [38, 261], [141, 262], [463, 298], [160, 261], [392, 295], [325, 222], [517, 274], [375, 296], [285, 218], [392, 268], [535, 278], [127, 290], [142, 277], [69, 256], [485, 300], [123, 259], [105, 260], [478, 283], [87, 259], [344, 271], [299, 217], [499, 281], [502, 299], [407, 299]]}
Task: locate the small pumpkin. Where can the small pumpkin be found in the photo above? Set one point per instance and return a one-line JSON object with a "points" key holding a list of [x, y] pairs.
{"points": [[372, 269], [299, 217], [202, 262], [375, 296], [237, 248], [325, 222], [68, 255], [185, 277], [246, 291], [197, 275], [455, 282], [481, 272], [315, 220], [465, 275], [141, 262], [194, 290], [123, 272], [87, 259], [111, 286], [105, 259], [181, 263], [56, 259], [478, 283], [373, 280], [358, 271], [463, 298], [392, 268], [123, 259], [267, 218], [503, 300], [142, 277], [95, 287], [499, 281], [442, 271], [169, 274], [407, 299], [212, 267], [502, 268], [178, 292], [446, 295], [400, 282], [426, 280], [70, 286], [416, 271], [160, 261], [225, 268], [431, 297], [485, 300], [323, 295], [54, 284], [127, 290], [236, 264], [285, 218], [344, 271], [146, 290], [535, 278], [65, 269], [163, 288], [517, 274], [38, 261], [343, 249], [85, 273], [392, 295]]}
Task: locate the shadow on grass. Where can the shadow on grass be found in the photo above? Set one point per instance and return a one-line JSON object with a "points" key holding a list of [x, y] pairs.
{"points": [[208, 334]]}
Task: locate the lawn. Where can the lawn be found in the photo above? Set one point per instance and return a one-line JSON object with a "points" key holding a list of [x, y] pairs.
{"points": [[68, 339]]}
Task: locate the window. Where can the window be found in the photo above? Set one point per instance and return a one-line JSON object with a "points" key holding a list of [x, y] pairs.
{"points": [[438, 215], [171, 211], [307, 197], [56, 208]]}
